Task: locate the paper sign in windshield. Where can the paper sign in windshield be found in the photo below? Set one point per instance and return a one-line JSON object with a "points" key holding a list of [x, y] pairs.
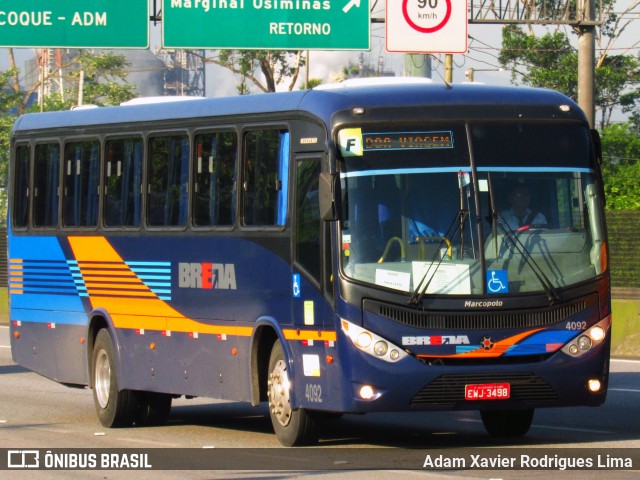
{"points": [[447, 278]]}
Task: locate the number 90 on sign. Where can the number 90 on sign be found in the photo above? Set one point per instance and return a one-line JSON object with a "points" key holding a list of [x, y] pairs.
{"points": [[426, 16]]}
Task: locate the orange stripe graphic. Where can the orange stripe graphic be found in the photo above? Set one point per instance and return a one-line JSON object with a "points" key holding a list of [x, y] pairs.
{"points": [[141, 308]]}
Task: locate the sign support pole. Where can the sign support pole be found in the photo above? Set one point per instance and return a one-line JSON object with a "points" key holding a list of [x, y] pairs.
{"points": [[586, 63], [448, 68]]}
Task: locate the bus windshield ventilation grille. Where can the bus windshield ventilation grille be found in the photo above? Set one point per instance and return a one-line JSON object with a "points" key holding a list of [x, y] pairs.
{"points": [[486, 320]]}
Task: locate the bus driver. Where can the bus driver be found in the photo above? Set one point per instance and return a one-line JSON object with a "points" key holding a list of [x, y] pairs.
{"points": [[519, 213]]}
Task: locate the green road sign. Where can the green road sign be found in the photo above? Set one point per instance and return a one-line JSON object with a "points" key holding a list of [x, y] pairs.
{"points": [[74, 23], [266, 24]]}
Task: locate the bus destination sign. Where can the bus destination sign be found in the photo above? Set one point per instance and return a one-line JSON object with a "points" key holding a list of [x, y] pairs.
{"points": [[407, 140]]}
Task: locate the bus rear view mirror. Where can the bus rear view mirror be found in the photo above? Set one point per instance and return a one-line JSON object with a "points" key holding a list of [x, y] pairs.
{"points": [[597, 144], [328, 194]]}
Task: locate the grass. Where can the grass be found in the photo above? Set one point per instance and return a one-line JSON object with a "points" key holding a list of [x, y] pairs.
{"points": [[4, 306], [625, 331]]}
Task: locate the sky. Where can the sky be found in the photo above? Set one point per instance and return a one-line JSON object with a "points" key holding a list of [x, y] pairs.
{"points": [[484, 45], [327, 65], [483, 48]]}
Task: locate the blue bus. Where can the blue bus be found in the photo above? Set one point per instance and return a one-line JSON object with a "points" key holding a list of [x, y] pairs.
{"points": [[359, 247]]}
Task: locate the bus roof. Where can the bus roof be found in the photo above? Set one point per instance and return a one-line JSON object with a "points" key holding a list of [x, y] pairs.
{"points": [[322, 103]]}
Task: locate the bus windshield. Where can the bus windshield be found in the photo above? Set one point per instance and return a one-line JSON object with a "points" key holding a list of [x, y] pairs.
{"points": [[470, 209]]}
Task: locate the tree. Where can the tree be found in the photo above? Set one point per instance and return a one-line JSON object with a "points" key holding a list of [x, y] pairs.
{"points": [[617, 78], [98, 79], [621, 166], [101, 78], [550, 60], [8, 101], [313, 82], [265, 69]]}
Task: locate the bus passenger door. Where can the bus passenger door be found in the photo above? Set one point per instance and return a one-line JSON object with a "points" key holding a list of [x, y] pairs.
{"points": [[309, 306]]}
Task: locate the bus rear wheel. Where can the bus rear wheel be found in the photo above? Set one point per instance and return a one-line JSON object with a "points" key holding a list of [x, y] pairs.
{"points": [[507, 423], [115, 407], [292, 427]]}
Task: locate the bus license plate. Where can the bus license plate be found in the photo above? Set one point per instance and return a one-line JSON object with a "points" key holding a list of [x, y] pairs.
{"points": [[487, 391]]}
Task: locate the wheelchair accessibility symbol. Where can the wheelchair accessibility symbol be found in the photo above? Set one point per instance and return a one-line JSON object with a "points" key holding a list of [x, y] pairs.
{"points": [[497, 281], [295, 285]]}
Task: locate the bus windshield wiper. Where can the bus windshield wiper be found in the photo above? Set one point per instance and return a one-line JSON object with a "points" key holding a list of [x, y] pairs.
{"points": [[512, 235], [426, 279]]}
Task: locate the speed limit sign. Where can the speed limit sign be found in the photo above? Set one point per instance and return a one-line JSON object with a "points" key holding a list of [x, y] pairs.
{"points": [[427, 26]]}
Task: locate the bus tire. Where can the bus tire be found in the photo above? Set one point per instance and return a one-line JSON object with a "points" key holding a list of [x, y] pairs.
{"points": [[507, 423], [292, 427], [115, 407], [153, 408]]}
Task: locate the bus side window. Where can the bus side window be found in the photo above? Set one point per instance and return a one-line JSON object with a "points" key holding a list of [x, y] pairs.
{"points": [[123, 182], [214, 175], [46, 185], [168, 179], [265, 177], [21, 186], [81, 181]]}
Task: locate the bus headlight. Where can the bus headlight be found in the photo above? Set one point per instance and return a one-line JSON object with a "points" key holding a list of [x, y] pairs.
{"points": [[364, 340], [589, 339], [584, 342], [597, 333], [380, 348], [372, 344]]}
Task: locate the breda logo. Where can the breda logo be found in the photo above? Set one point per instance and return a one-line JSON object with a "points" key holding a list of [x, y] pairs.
{"points": [[436, 340], [426, 16], [221, 276]]}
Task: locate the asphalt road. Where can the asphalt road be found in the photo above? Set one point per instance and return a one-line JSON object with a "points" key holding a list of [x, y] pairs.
{"points": [[37, 413]]}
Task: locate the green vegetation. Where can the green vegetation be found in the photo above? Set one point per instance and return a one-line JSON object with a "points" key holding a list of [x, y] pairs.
{"points": [[621, 167], [4, 306], [96, 78], [626, 328]]}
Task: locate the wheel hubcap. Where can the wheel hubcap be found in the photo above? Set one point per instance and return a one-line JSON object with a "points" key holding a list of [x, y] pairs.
{"points": [[279, 401], [102, 378]]}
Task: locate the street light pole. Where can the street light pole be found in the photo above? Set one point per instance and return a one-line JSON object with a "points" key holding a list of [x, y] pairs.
{"points": [[470, 74]]}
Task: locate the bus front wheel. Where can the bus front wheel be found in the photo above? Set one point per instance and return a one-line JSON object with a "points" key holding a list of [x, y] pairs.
{"points": [[292, 427], [507, 423], [115, 408]]}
